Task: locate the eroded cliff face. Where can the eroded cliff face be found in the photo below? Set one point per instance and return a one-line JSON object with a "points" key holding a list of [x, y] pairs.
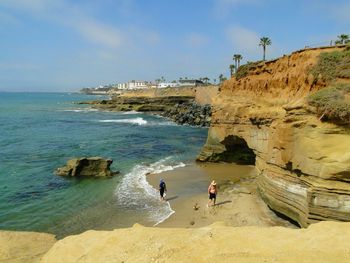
{"points": [[304, 163]]}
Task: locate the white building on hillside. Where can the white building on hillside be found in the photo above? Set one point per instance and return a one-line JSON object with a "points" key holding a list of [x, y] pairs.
{"points": [[122, 86], [190, 82], [168, 85], [134, 84]]}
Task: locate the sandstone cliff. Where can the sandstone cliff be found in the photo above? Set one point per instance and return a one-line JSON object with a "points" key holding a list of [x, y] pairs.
{"points": [[263, 117]]}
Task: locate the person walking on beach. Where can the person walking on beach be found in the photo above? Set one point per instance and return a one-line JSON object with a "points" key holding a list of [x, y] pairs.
{"points": [[212, 191], [162, 189]]}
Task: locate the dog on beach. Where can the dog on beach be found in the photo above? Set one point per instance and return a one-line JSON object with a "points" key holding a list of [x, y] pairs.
{"points": [[196, 207]]}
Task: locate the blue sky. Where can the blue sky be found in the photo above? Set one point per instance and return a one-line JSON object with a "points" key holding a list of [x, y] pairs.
{"points": [[64, 45]]}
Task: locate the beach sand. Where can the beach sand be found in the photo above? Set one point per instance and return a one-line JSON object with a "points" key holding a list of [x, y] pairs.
{"points": [[238, 202]]}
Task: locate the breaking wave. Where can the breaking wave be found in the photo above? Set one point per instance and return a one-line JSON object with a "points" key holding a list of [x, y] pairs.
{"points": [[135, 192]]}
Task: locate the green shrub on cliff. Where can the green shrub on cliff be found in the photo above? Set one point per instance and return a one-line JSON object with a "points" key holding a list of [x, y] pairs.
{"points": [[244, 70], [332, 65], [333, 103]]}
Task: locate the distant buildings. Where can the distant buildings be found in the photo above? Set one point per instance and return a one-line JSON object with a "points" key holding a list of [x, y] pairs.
{"points": [[181, 83], [190, 82], [134, 84], [137, 84], [168, 85]]}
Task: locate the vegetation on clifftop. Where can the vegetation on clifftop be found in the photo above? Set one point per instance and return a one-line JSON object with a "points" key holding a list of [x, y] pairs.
{"points": [[333, 103], [244, 70], [332, 65]]}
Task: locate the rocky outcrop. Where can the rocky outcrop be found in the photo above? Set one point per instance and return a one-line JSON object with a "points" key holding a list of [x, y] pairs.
{"points": [[185, 105], [160, 92], [322, 242], [18, 247], [144, 104], [190, 113], [304, 163], [87, 167]]}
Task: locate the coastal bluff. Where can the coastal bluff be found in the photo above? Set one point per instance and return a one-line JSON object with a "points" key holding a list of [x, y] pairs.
{"points": [[263, 118]]}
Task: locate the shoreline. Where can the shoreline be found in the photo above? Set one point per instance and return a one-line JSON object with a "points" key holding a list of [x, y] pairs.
{"points": [[238, 202]]}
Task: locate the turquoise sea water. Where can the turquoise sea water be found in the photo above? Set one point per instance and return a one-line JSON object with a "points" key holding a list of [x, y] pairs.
{"points": [[41, 131]]}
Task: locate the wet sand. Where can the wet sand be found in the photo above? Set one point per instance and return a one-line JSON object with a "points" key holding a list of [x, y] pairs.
{"points": [[238, 202]]}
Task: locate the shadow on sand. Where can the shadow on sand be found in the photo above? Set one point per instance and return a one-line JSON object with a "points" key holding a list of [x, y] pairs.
{"points": [[223, 202], [171, 198]]}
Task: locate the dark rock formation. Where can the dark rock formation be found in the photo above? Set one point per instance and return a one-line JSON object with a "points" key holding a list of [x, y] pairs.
{"points": [[190, 113], [87, 167], [180, 109]]}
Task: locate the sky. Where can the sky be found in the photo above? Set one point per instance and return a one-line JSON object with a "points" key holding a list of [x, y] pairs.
{"points": [[66, 45]]}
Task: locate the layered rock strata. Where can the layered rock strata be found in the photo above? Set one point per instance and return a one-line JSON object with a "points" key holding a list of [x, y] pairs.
{"points": [[304, 163]]}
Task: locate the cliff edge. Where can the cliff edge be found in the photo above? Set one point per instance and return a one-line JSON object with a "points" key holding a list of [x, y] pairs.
{"points": [[322, 242], [263, 117]]}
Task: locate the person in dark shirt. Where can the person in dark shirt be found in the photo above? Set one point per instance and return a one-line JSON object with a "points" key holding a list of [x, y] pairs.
{"points": [[162, 189]]}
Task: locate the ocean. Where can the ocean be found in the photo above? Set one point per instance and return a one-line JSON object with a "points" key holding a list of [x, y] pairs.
{"points": [[39, 132]]}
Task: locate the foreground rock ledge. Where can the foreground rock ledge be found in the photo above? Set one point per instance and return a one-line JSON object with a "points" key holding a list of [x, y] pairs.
{"points": [[24, 246], [87, 167], [321, 242]]}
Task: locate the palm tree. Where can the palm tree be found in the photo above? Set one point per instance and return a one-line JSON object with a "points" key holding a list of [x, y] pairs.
{"points": [[206, 80], [232, 69], [237, 58], [264, 41], [343, 39], [221, 77]]}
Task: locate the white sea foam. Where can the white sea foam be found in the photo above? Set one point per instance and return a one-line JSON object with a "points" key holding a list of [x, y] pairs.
{"points": [[131, 112], [166, 123], [138, 121], [134, 190], [81, 110]]}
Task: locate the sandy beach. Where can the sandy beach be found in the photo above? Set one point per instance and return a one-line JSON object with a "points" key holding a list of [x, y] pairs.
{"points": [[238, 202], [190, 236]]}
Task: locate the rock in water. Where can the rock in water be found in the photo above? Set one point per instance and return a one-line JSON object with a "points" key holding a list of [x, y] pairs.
{"points": [[87, 167]]}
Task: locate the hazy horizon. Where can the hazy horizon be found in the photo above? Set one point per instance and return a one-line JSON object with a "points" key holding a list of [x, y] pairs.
{"points": [[66, 45]]}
